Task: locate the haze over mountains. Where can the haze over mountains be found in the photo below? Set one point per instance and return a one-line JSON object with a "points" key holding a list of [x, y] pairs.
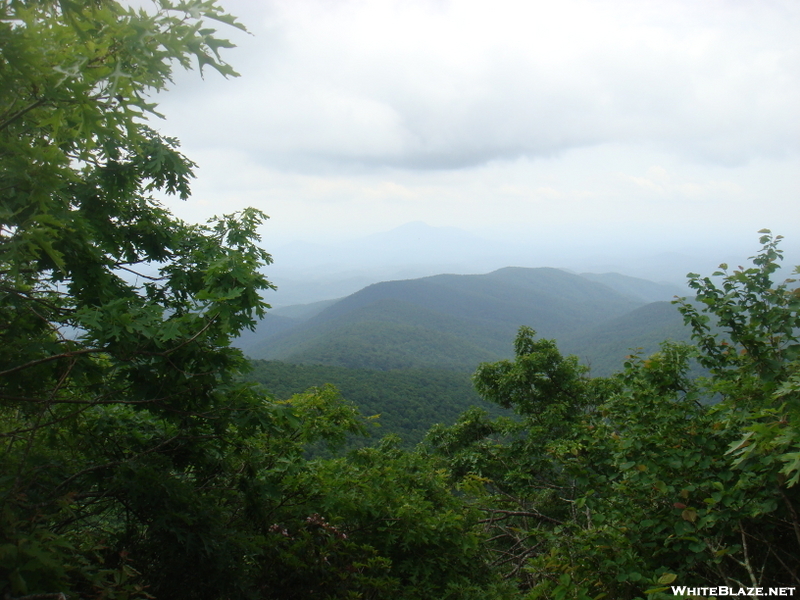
{"points": [[410, 298], [309, 272], [399, 321], [457, 321]]}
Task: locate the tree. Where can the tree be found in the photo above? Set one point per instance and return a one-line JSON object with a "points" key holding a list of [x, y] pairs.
{"points": [[621, 486], [118, 385]]}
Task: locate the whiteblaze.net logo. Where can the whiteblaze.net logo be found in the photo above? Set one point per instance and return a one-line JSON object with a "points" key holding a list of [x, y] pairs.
{"points": [[725, 591]]}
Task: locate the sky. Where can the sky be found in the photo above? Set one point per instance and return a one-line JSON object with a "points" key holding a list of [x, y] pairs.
{"points": [[639, 125]]}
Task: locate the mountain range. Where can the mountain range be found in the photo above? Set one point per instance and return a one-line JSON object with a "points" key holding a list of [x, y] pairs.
{"points": [[455, 322], [306, 272]]}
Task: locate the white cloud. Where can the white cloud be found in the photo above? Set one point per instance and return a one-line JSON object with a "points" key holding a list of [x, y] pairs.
{"points": [[562, 119], [449, 85]]}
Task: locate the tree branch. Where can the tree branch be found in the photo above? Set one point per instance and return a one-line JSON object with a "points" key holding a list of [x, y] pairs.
{"points": [[517, 513], [21, 112], [40, 361]]}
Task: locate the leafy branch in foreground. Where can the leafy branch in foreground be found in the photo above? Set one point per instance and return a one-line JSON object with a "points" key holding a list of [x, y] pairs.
{"points": [[117, 382]]}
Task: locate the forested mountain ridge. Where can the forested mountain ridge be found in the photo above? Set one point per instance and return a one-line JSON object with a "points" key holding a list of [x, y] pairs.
{"points": [[641, 330], [555, 299], [636, 287], [458, 321], [411, 396]]}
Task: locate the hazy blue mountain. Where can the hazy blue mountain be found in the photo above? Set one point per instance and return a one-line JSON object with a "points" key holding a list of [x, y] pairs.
{"points": [[647, 291], [307, 272], [303, 312], [605, 346], [265, 330], [295, 288], [403, 247], [448, 321], [277, 321]]}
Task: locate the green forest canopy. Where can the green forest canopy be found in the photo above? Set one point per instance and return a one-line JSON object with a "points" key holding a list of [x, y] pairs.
{"points": [[403, 402], [136, 463]]}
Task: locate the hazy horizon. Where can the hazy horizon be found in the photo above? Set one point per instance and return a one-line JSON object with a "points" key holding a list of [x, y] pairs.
{"points": [[581, 129], [307, 272]]}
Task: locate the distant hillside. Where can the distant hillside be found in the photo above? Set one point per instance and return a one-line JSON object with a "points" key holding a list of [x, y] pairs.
{"points": [[279, 320], [605, 346], [385, 344], [270, 326], [646, 291], [409, 402], [443, 321]]}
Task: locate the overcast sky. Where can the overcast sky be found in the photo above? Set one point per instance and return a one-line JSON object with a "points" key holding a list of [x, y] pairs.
{"points": [[655, 122]]}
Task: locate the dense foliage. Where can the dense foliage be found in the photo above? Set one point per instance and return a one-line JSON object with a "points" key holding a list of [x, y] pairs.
{"points": [[620, 486], [406, 403], [117, 380]]}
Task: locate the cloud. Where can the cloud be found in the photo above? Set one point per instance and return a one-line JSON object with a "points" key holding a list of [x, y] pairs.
{"points": [[662, 183], [440, 85], [577, 123]]}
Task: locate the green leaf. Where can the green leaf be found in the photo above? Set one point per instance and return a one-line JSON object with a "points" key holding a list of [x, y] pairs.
{"points": [[667, 578]]}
